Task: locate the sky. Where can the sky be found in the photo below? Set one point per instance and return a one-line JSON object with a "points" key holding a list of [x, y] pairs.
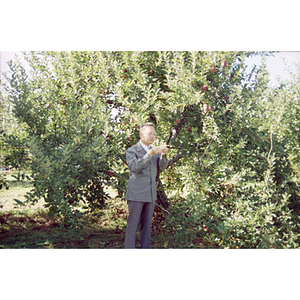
{"points": [[279, 65]]}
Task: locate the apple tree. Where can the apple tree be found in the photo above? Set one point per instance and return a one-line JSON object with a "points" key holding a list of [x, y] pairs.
{"points": [[288, 137], [239, 189], [175, 91], [69, 133]]}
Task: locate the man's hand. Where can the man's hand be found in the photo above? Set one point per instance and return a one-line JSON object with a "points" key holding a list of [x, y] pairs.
{"points": [[156, 150], [165, 150]]}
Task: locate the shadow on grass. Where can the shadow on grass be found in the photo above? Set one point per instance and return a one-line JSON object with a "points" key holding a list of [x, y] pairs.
{"points": [[38, 231]]}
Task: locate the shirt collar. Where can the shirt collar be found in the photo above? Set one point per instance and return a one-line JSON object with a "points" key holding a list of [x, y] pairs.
{"points": [[145, 147]]}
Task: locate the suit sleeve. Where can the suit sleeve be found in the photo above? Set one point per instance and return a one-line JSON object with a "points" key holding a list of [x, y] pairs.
{"points": [[136, 164], [163, 162]]}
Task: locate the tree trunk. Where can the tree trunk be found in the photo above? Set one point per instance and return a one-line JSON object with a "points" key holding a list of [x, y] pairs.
{"points": [[162, 198]]}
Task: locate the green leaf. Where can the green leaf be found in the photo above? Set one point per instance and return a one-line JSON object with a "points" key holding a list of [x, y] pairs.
{"points": [[19, 202]]}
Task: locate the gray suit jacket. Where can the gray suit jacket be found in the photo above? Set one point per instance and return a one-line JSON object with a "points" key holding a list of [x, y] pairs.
{"points": [[141, 184]]}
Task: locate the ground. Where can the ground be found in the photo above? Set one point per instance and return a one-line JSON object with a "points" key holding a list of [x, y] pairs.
{"points": [[30, 227]]}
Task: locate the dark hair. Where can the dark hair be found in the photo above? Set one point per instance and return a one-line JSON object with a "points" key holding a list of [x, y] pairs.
{"points": [[147, 124]]}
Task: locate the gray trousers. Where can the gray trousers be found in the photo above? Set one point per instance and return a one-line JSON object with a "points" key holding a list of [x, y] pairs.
{"points": [[139, 211]]}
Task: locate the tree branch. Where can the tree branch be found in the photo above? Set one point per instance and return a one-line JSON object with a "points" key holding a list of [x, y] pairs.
{"points": [[178, 126], [174, 159]]}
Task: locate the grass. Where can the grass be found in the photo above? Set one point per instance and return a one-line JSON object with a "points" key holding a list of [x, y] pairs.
{"points": [[17, 190], [30, 227]]}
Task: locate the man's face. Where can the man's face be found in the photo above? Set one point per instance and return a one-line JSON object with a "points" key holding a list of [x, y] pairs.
{"points": [[147, 135]]}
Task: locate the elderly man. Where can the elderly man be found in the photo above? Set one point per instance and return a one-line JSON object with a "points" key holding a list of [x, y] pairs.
{"points": [[143, 161]]}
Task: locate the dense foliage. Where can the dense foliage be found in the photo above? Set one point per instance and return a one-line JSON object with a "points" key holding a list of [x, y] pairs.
{"points": [[232, 178]]}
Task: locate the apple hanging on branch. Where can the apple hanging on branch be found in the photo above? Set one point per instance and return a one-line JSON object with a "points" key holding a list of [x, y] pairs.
{"points": [[204, 88], [224, 64], [206, 108]]}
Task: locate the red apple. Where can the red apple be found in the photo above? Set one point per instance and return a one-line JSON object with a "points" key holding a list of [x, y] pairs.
{"points": [[124, 71], [152, 71], [204, 88], [226, 98], [224, 64], [177, 121], [64, 103], [213, 69], [190, 128]]}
